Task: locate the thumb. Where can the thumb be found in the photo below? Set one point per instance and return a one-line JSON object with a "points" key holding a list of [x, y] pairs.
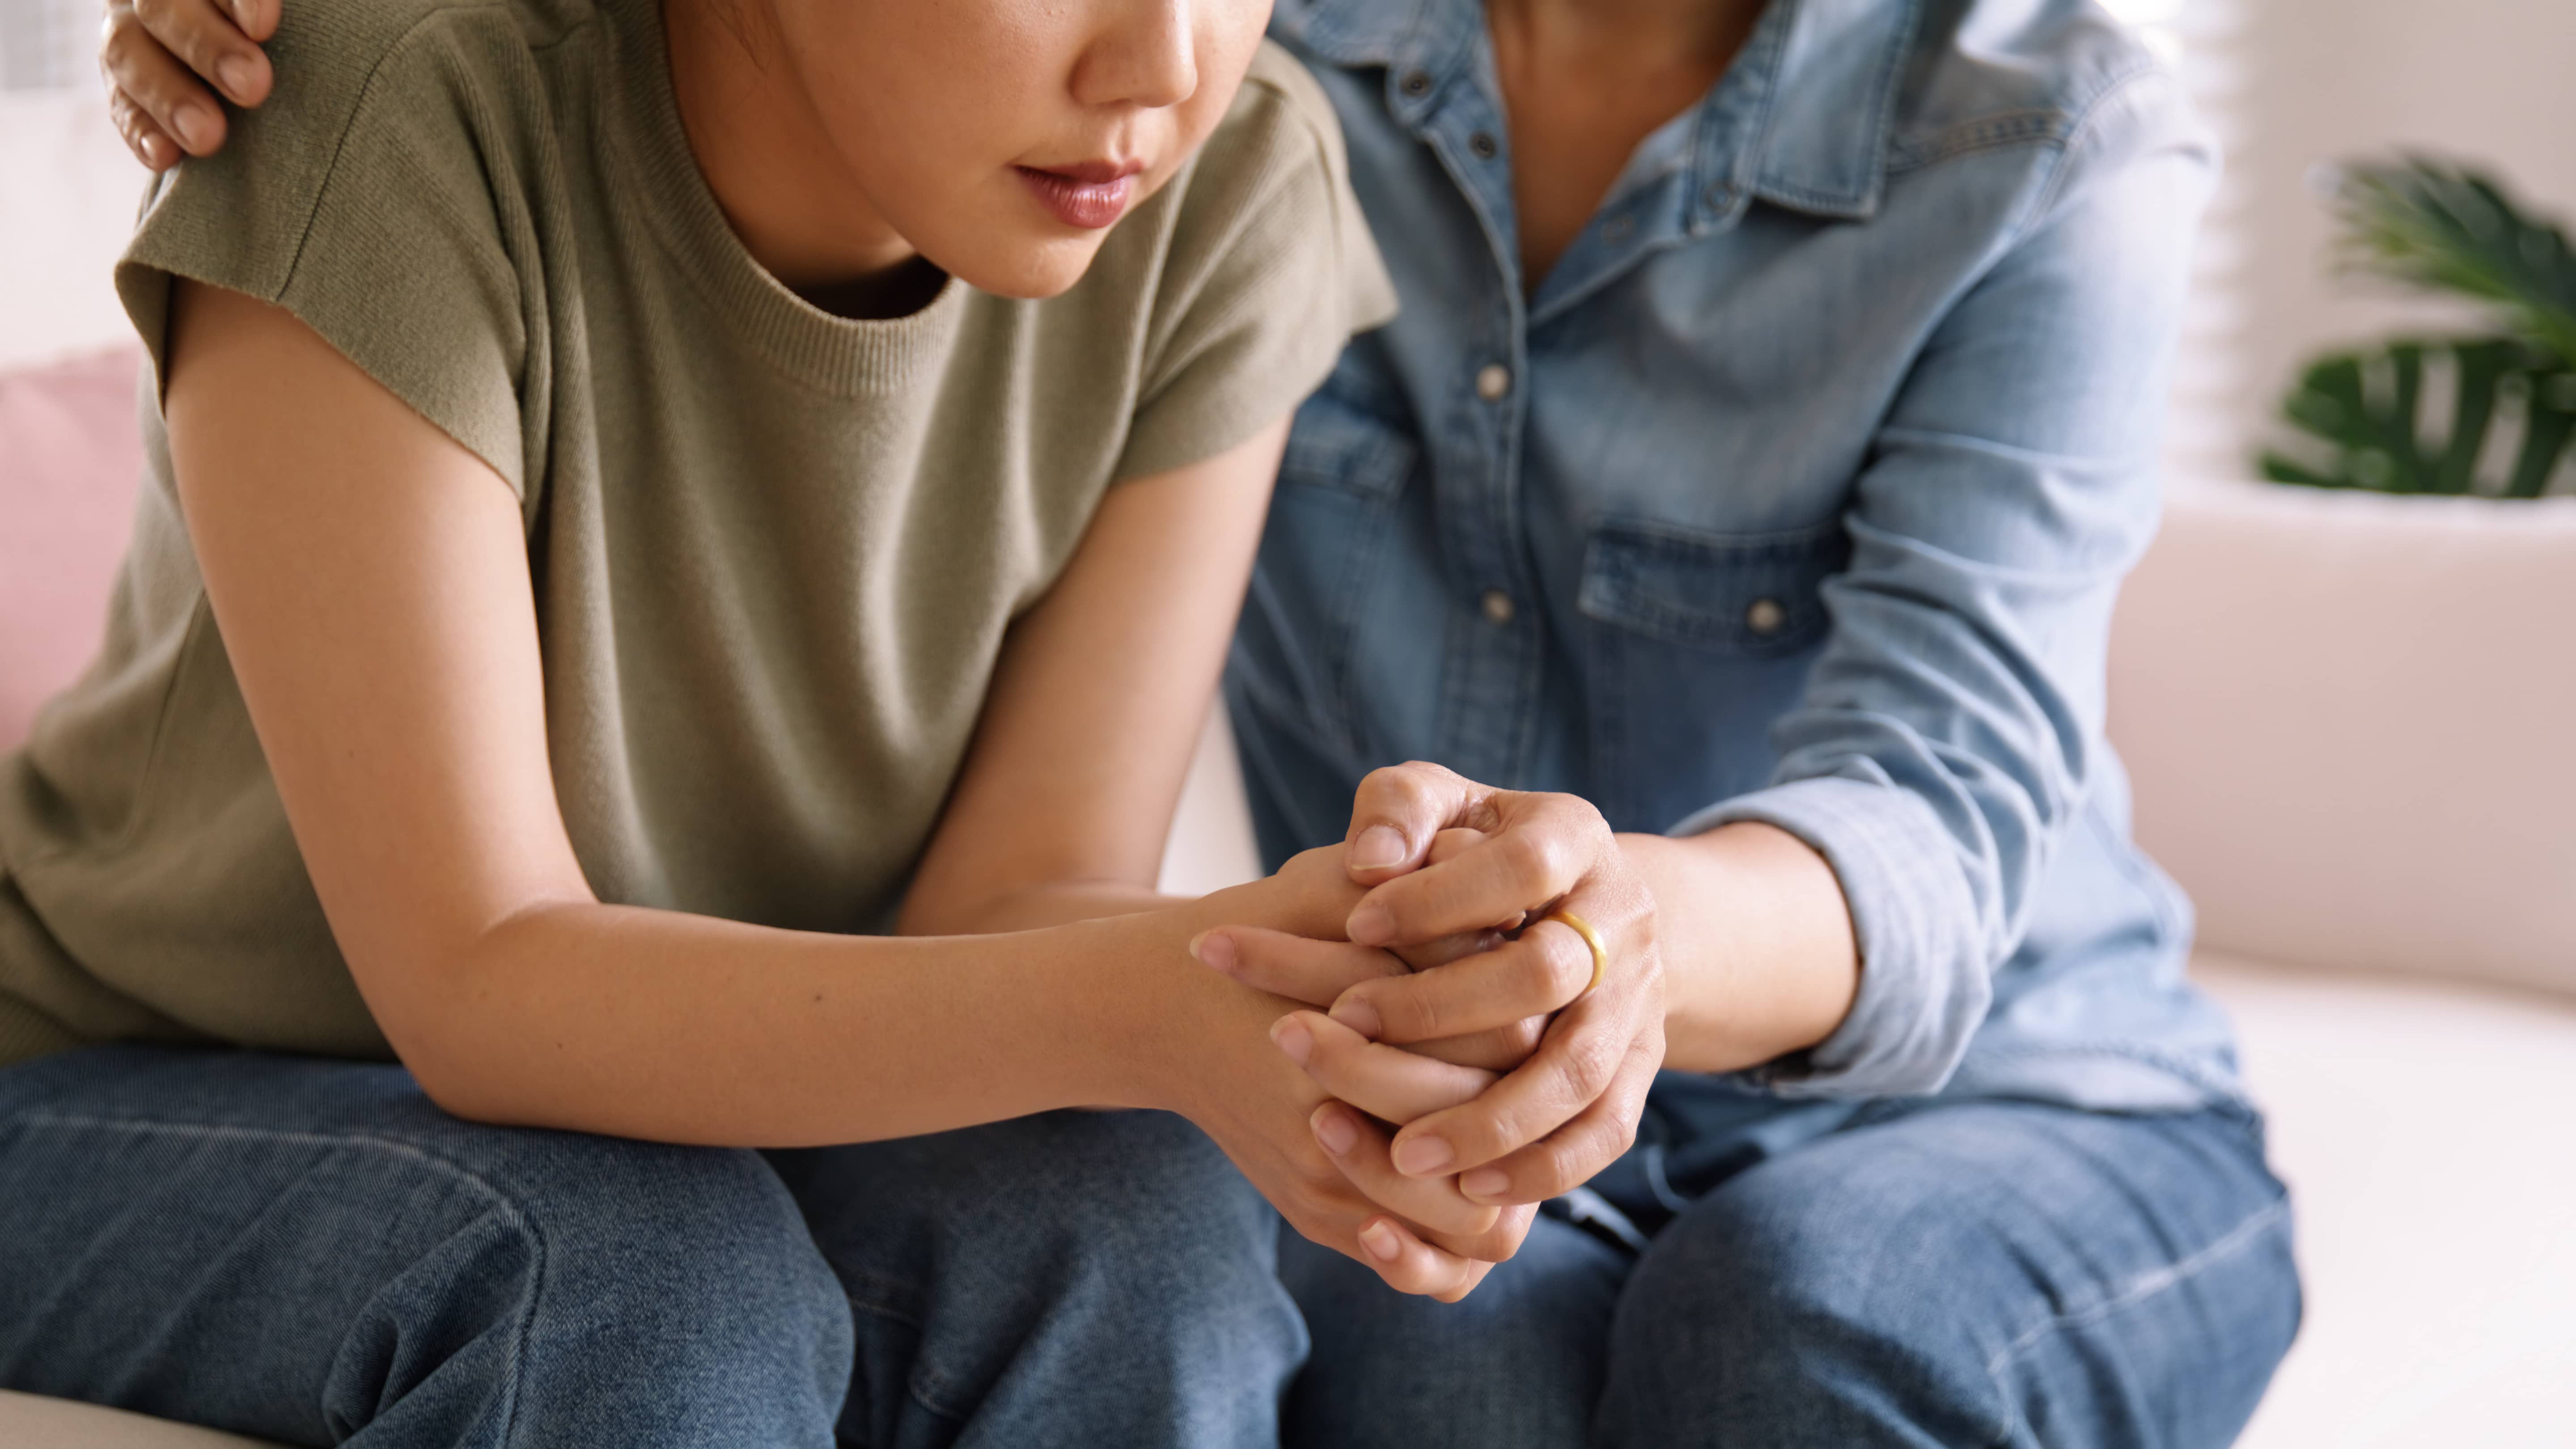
{"points": [[1397, 814]]}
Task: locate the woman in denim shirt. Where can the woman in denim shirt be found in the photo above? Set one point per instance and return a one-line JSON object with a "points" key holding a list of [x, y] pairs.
{"points": [[1735, 514], [1756, 458]]}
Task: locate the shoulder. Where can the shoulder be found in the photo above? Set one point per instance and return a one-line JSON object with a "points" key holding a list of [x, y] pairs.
{"points": [[369, 197], [1280, 131], [398, 108], [2058, 74], [339, 58]]}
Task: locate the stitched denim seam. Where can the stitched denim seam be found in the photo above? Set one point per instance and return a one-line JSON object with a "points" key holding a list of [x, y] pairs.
{"points": [[924, 1385], [499, 1201], [2148, 1286]]}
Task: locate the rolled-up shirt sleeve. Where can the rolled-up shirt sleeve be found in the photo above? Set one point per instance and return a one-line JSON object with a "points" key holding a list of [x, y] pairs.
{"points": [[1952, 725]]}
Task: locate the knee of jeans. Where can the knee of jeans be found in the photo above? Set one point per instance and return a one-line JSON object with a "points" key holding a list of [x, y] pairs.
{"points": [[670, 1270], [1761, 1296], [1145, 1200], [1135, 1182]]}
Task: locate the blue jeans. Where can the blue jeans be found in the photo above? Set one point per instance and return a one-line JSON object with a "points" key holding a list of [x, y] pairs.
{"points": [[1934, 1274], [309, 1251]]}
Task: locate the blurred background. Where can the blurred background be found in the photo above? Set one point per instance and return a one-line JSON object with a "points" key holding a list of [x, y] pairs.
{"points": [[2350, 713]]}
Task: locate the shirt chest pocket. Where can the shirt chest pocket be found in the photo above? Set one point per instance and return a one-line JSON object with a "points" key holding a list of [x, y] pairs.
{"points": [[1750, 595]]}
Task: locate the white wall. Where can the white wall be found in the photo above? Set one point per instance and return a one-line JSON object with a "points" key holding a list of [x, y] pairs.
{"points": [[2316, 81], [67, 197]]}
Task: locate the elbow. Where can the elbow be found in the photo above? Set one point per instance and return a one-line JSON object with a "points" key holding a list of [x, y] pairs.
{"points": [[458, 1080], [450, 1019]]}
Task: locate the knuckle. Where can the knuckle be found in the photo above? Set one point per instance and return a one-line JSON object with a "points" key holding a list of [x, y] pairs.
{"points": [[1529, 859], [1622, 1134], [1314, 1169], [1412, 1015], [1587, 1064], [119, 40], [1577, 814], [1570, 957], [1550, 1171], [1549, 967], [1494, 1135]]}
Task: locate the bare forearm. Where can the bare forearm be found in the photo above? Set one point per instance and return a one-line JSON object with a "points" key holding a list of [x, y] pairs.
{"points": [[671, 1027], [1055, 903], [1759, 957]]}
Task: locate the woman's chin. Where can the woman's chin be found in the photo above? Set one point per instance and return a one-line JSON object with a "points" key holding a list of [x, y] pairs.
{"points": [[1031, 267]]}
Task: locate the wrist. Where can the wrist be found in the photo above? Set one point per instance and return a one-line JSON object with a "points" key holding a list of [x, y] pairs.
{"points": [[1759, 953], [1152, 1010]]}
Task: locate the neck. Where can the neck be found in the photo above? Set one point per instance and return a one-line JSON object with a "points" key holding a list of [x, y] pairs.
{"points": [[774, 169], [1694, 34]]}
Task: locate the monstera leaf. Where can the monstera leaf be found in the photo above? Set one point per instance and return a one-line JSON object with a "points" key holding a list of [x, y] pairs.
{"points": [[2490, 415]]}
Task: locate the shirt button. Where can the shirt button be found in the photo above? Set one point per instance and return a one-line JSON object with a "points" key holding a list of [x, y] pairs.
{"points": [[1498, 606], [1417, 84], [1618, 228], [1484, 145], [1765, 616], [1493, 380]]}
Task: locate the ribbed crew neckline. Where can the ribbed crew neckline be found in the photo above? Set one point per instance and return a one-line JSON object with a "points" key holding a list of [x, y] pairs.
{"points": [[843, 356]]}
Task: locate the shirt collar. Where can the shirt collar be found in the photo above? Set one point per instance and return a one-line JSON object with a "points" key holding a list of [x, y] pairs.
{"points": [[1822, 144]]}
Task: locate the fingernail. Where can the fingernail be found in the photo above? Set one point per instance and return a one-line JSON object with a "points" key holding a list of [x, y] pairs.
{"points": [[156, 152], [1290, 1036], [193, 125], [1419, 1155], [237, 74], [1371, 925], [1358, 1015], [1334, 1129], [1379, 846], [1379, 1239], [1485, 1182], [1213, 950]]}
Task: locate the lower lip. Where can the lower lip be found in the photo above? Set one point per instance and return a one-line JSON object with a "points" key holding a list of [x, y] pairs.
{"points": [[1089, 205]]}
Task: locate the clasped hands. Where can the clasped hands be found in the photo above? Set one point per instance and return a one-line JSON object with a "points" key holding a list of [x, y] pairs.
{"points": [[1468, 1072]]}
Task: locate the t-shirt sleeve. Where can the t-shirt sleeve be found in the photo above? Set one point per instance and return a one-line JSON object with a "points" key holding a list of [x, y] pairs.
{"points": [[1271, 270], [366, 198]]}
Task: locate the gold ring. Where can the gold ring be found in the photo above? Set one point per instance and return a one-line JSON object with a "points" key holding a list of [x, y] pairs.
{"points": [[1591, 938]]}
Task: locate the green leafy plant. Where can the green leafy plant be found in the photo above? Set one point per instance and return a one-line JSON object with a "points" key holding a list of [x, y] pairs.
{"points": [[2461, 415]]}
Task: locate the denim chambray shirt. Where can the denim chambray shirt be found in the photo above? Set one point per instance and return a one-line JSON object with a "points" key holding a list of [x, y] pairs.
{"points": [[1798, 491]]}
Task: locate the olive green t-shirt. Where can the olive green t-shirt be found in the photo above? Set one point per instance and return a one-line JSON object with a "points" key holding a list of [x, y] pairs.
{"points": [[774, 551]]}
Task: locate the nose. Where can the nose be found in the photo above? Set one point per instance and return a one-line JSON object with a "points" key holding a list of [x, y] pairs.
{"points": [[1144, 54]]}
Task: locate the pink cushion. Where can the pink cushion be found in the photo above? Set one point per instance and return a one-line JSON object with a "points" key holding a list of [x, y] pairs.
{"points": [[2351, 720], [70, 458]]}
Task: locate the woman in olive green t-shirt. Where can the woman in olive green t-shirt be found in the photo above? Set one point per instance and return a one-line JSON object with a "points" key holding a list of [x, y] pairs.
{"points": [[641, 499]]}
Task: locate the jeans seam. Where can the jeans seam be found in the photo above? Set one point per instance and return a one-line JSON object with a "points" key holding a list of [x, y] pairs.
{"points": [[2147, 1286], [923, 1384], [500, 1203]]}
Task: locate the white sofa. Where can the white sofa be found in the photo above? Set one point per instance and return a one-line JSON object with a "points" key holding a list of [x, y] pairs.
{"points": [[2352, 724], [2352, 727]]}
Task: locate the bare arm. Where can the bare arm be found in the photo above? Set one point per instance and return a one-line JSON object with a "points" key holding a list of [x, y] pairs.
{"points": [[1067, 795], [370, 580]]}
